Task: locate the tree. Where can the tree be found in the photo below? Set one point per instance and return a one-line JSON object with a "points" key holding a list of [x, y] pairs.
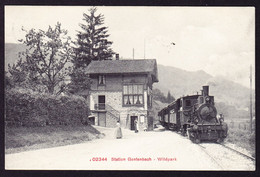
{"points": [[91, 44], [17, 73], [43, 62], [158, 95], [170, 98], [8, 81], [79, 81]]}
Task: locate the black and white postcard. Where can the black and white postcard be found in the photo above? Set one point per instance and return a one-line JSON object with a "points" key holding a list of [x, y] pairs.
{"points": [[130, 88]]}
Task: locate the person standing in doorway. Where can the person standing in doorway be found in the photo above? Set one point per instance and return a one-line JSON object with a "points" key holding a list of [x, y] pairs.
{"points": [[136, 125], [118, 132]]}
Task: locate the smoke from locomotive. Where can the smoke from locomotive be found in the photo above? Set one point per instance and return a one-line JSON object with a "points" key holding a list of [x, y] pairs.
{"points": [[195, 116]]}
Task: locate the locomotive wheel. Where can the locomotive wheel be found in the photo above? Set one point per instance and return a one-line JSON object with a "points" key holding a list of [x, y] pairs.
{"points": [[189, 134], [191, 137], [183, 132], [220, 140], [197, 141], [197, 138]]}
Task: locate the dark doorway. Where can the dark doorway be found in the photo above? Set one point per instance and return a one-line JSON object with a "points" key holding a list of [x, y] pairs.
{"points": [[150, 123], [178, 121], [101, 102], [133, 122], [92, 120]]}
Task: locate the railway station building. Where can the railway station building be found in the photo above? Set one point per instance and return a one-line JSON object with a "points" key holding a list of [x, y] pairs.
{"points": [[121, 90]]}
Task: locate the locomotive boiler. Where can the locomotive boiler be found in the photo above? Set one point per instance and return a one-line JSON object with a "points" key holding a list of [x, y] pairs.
{"points": [[196, 117]]}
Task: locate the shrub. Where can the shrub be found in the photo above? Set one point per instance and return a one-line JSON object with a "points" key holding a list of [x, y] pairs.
{"points": [[242, 138], [25, 107]]}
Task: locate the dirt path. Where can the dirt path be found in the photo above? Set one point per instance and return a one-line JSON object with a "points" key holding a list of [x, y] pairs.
{"points": [[149, 145]]}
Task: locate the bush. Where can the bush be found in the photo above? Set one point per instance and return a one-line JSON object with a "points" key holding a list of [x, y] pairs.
{"points": [[25, 107], [242, 138]]}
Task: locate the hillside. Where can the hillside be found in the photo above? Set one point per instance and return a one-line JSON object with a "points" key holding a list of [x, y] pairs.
{"points": [[229, 92], [180, 82], [11, 53]]}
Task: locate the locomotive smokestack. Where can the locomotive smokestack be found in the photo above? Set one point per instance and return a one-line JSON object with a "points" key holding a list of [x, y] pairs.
{"points": [[205, 90]]}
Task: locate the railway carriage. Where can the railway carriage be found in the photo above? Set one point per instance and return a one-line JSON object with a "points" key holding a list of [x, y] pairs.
{"points": [[195, 116]]}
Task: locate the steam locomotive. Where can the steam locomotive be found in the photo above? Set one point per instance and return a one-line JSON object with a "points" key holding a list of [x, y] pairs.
{"points": [[196, 117]]}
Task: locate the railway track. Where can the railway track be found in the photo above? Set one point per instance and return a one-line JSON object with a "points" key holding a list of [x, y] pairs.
{"points": [[228, 158], [234, 150], [211, 157], [238, 152]]}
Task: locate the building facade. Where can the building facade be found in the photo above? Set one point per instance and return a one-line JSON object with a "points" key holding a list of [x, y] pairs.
{"points": [[122, 90]]}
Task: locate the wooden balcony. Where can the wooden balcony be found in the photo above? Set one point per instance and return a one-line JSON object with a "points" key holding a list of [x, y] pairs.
{"points": [[100, 106]]}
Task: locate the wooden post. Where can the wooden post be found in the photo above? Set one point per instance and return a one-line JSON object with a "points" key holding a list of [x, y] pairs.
{"points": [[169, 118], [144, 48], [133, 53], [251, 116]]}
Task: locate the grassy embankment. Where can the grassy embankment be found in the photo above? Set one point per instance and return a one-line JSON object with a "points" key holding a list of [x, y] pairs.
{"points": [[240, 135], [18, 139]]}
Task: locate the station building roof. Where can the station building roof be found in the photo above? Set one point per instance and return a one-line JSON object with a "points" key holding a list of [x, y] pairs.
{"points": [[135, 66]]}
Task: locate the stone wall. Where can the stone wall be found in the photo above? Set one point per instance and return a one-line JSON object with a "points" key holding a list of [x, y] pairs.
{"points": [[114, 99], [110, 120]]}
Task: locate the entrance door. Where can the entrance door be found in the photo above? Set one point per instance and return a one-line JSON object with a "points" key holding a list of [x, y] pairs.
{"points": [[178, 121], [101, 102], [133, 122], [102, 119]]}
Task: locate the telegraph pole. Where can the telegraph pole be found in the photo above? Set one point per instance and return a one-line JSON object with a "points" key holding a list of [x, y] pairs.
{"points": [[251, 116], [133, 53], [144, 48]]}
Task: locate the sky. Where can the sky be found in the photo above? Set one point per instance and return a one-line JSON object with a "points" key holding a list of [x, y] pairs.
{"points": [[218, 40]]}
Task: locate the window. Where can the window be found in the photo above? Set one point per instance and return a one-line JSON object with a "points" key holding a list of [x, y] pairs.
{"points": [[133, 94], [101, 80], [187, 102], [101, 102]]}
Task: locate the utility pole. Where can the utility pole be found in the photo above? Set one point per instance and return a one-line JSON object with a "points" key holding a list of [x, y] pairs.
{"points": [[251, 116], [144, 48], [133, 53]]}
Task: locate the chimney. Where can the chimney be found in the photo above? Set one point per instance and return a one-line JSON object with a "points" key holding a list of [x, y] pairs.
{"points": [[205, 90], [117, 56]]}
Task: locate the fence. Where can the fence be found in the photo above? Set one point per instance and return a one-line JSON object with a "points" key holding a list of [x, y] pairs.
{"points": [[240, 125]]}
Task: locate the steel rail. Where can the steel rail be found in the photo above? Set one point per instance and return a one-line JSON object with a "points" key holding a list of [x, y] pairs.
{"points": [[216, 162], [238, 152]]}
